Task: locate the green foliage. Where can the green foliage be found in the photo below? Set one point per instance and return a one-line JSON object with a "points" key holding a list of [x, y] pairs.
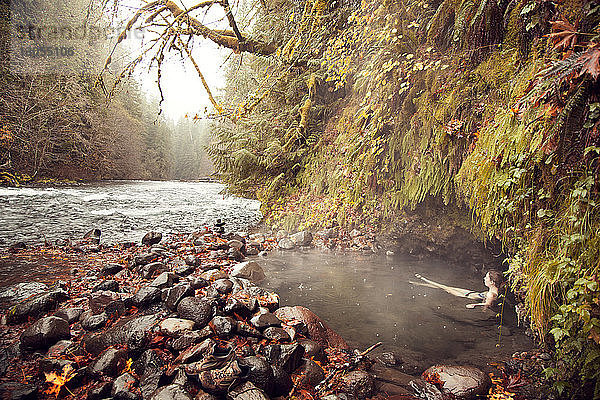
{"points": [[468, 105]]}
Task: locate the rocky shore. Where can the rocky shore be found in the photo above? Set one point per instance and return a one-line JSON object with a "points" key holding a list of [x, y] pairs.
{"points": [[185, 317]]}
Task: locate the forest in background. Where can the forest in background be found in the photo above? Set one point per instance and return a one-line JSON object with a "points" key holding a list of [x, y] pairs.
{"points": [[67, 126]]}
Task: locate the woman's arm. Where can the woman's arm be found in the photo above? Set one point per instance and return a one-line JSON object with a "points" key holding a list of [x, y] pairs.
{"points": [[490, 299]]}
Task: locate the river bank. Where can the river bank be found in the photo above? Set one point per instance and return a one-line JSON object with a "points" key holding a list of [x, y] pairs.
{"points": [[122, 312]]}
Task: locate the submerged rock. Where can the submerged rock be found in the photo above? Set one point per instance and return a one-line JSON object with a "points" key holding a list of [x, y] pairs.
{"points": [[358, 384], [464, 382]]}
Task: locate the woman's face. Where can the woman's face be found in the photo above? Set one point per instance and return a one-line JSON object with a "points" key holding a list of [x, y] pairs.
{"points": [[486, 280]]}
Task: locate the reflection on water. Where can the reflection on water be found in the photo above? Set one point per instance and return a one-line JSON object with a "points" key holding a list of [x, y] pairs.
{"points": [[123, 210], [368, 298]]}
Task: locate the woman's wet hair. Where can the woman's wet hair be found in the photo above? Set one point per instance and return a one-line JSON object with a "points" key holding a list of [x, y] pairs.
{"points": [[496, 277]]}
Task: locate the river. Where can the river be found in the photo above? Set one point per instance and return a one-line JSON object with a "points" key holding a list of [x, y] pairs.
{"points": [[366, 298], [123, 210]]}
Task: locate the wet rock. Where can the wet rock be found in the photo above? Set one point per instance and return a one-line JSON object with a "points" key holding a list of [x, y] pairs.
{"points": [[98, 301], [302, 238], [388, 359], [176, 294], [202, 395], [171, 392], [223, 286], [286, 356], [235, 254], [330, 233], [91, 322], [35, 306], [110, 362], [132, 331], [246, 391], [235, 244], [7, 356], [109, 285], [175, 326], [63, 347], [257, 237], [252, 251], [461, 381], [151, 238], [146, 296], [223, 325], [22, 291], [358, 384], [276, 334], [255, 245], [111, 269], [391, 375], [149, 270], [57, 365], [426, 390], [310, 372], [149, 367], [248, 270], [256, 370], [183, 269], [166, 279], [312, 349], [117, 308], [124, 388], [100, 391], [265, 320], [143, 259], [70, 314], [199, 283], [188, 339], [354, 233], [195, 352], [213, 275], [93, 236], [318, 330], [281, 384], [44, 333], [244, 308], [196, 309], [286, 244], [193, 261], [245, 329], [18, 391]]}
